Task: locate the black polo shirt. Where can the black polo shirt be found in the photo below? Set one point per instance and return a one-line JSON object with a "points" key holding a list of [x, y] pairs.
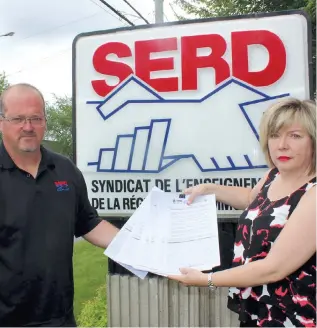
{"points": [[38, 220]]}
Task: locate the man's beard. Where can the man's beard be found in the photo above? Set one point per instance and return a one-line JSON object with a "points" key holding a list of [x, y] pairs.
{"points": [[28, 149]]}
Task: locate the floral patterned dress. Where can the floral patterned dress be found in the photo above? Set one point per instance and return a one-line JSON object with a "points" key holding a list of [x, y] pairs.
{"points": [[290, 302]]}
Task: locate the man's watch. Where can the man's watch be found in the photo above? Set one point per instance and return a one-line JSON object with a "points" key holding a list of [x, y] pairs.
{"points": [[211, 285]]}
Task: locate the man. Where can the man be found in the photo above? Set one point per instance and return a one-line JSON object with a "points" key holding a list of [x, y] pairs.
{"points": [[43, 204]]}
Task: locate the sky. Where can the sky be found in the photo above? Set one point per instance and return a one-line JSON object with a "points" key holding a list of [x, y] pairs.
{"points": [[40, 51]]}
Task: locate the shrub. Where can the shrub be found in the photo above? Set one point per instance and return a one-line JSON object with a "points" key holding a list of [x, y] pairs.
{"points": [[94, 311]]}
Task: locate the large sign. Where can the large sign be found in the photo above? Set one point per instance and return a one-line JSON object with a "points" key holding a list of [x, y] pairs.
{"points": [[179, 104]]}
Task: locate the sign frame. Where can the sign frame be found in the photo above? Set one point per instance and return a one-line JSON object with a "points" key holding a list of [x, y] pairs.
{"points": [[177, 23]]}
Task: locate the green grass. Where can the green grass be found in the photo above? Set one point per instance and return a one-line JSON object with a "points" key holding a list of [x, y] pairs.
{"points": [[90, 269]]}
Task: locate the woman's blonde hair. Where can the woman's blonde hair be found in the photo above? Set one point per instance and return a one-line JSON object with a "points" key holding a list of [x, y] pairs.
{"points": [[284, 113]]}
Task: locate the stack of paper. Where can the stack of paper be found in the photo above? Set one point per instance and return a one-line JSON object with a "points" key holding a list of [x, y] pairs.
{"points": [[165, 234]]}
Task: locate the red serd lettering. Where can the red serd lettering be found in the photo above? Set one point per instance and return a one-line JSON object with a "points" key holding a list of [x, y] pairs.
{"points": [[105, 66], [240, 58], [191, 62], [144, 65]]}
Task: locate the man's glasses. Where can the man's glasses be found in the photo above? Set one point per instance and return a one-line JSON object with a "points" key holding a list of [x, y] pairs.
{"points": [[20, 121]]}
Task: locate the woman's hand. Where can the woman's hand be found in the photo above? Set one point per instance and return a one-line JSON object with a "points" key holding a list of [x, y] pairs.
{"points": [[193, 192], [191, 277]]}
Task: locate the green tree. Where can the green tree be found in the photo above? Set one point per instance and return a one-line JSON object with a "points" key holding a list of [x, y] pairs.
{"points": [[4, 83], [217, 8], [223, 8], [59, 126]]}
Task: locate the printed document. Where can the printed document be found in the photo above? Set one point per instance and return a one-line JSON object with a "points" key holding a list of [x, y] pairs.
{"points": [[165, 234]]}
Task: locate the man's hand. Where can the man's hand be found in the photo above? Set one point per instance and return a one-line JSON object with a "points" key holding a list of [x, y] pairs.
{"points": [[191, 277]]}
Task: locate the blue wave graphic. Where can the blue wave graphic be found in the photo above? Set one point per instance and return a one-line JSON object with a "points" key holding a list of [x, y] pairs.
{"points": [[158, 130]]}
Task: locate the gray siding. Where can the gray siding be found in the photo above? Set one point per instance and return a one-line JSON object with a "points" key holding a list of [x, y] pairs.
{"points": [[159, 302]]}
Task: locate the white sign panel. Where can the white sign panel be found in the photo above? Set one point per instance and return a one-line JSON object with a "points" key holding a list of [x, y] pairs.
{"points": [[179, 104]]}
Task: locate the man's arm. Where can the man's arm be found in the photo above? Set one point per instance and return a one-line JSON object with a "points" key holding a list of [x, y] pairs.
{"points": [[102, 234]]}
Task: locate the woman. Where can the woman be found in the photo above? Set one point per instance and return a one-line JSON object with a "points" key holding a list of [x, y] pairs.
{"points": [[274, 265]]}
